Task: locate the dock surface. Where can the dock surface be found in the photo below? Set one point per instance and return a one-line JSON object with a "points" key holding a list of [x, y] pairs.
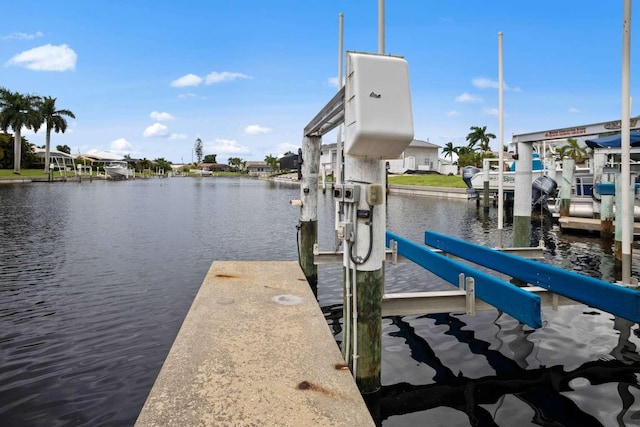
{"points": [[587, 224], [254, 350]]}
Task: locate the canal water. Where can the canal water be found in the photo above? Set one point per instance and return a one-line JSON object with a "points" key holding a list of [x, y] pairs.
{"points": [[96, 278]]}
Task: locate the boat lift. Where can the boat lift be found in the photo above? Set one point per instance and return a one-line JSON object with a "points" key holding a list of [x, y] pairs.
{"points": [[549, 285]]}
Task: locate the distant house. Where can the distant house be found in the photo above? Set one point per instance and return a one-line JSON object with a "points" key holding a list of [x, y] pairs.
{"points": [[57, 159], [329, 157], [289, 161], [258, 168], [420, 156], [214, 167]]}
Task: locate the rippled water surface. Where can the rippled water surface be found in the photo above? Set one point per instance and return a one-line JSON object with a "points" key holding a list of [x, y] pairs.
{"points": [[96, 278]]}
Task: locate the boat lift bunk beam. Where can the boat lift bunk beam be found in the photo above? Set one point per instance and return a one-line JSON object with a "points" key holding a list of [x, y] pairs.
{"points": [[612, 298], [518, 303]]}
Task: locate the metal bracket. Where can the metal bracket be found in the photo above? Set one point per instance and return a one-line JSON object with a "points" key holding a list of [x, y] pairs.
{"points": [[471, 296]]}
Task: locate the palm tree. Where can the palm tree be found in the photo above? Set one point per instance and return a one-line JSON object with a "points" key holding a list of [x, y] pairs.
{"points": [[17, 111], [235, 162], [573, 150], [479, 134], [272, 162], [54, 120], [449, 150]]}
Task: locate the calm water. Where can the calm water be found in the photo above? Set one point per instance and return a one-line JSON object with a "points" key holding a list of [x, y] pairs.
{"points": [[96, 278]]}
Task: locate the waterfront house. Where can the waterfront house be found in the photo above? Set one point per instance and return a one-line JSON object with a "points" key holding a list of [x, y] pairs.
{"points": [[258, 168], [289, 161], [214, 167], [419, 156]]}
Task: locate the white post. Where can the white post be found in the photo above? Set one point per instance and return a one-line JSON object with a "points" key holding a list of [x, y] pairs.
{"points": [[500, 141], [625, 134], [338, 173], [522, 197], [381, 26], [339, 158]]}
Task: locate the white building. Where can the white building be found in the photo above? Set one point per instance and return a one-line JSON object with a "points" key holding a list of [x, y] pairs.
{"points": [[421, 156]]}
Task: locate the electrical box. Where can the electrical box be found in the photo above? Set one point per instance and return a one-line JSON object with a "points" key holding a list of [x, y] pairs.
{"points": [[378, 115], [375, 194]]}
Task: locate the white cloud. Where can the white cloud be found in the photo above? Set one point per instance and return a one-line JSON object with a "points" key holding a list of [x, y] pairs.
{"points": [[186, 95], [21, 36], [283, 147], [156, 129], [187, 80], [256, 130], [573, 110], [160, 116], [120, 146], [452, 113], [224, 76], [486, 83], [46, 58], [333, 81], [468, 98], [491, 111], [177, 136], [226, 146]]}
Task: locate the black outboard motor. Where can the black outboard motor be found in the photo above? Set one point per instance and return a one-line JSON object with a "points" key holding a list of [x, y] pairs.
{"points": [[542, 188], [467, 173]]}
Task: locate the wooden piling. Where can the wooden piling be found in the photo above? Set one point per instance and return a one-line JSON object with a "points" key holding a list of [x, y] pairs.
{"points": [[366, 326], [369, 293], [309, 210]]}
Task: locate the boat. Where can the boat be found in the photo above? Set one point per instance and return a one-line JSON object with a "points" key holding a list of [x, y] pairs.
{"points": [[118, 169]]}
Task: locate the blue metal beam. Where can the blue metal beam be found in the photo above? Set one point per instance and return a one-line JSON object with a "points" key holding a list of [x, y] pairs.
{"points": [[514, 301], [609, 297]]}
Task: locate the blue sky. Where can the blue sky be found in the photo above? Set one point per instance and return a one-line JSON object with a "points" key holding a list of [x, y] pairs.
{"points": [[147, 78]]}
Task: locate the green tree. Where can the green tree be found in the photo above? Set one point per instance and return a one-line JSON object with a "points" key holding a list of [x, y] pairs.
{"points": [[449, 150], [18, 111], [198, 149], [64, 148], [573, 150], [7, 149], [236, 162], [162, 163], [480, 135], [143, 164], [272, 162], [54, 120], [210, 158]]}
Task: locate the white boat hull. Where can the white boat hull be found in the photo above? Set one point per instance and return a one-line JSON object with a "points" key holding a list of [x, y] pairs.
{"points": [[118, 172]]}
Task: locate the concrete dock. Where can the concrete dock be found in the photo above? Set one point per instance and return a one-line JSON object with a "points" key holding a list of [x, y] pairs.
{"points": [[254, 350], [587, 224]]}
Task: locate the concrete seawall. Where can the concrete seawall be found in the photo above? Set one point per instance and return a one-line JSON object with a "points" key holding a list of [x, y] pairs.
{"points": [[424, 191]]}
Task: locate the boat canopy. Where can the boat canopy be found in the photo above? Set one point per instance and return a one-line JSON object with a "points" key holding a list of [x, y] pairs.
{"points": [[536, 163], [613, 141]]}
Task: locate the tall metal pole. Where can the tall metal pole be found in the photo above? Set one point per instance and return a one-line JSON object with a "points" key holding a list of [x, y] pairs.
{"points": [[381, 47], [625, 134], [339, 159], [500, 141]]}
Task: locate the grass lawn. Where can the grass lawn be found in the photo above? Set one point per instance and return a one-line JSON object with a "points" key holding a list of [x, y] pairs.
{"points": [[25, 173], [429, 180]]}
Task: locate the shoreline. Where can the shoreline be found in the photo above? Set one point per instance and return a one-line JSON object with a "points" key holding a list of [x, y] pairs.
{"points": [[410, 190]]}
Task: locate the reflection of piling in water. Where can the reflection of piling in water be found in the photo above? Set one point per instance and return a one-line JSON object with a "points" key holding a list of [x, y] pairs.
{"points": [[541, 389]]}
